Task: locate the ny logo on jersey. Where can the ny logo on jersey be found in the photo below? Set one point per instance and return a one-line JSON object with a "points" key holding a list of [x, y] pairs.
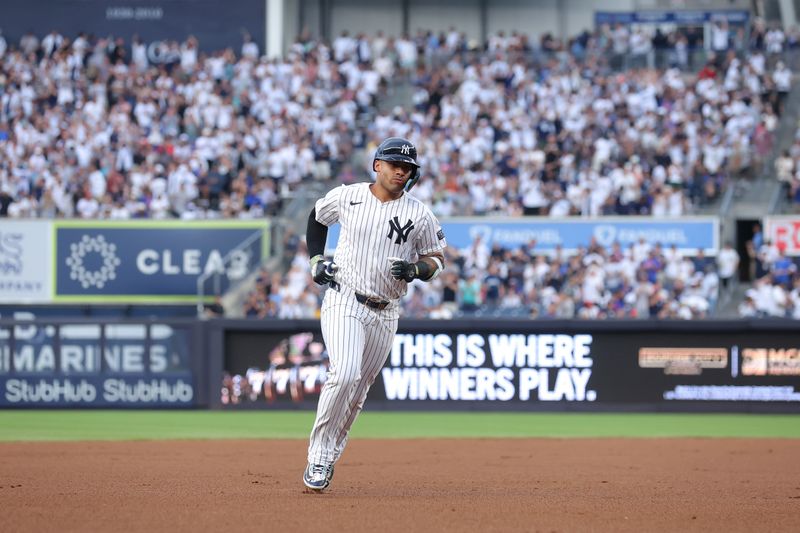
{"points": [[405, 149], [400, 233]]}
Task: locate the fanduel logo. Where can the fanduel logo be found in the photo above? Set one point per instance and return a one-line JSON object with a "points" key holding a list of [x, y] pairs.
{"points": [[605, 234]]}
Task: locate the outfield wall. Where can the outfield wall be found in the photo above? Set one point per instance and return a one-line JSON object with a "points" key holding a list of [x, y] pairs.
{"points": [[434, 365], [532, 365]]}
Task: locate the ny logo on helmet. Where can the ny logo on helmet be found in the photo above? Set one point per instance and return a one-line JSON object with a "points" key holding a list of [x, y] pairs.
{"points": [[400, 233], [405, 149]]}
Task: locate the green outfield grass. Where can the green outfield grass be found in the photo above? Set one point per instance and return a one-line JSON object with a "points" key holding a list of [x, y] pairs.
{"points": [[156, 425]]}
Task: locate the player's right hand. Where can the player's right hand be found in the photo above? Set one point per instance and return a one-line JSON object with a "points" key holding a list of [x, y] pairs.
{"points": [[322, 270], [402, 269]]}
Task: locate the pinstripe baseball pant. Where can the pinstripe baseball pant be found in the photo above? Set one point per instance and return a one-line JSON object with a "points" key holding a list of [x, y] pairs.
{"points": [[358, 339]]}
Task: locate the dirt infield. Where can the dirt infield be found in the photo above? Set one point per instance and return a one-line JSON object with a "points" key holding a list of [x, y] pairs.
{"points": [[397, 485]]}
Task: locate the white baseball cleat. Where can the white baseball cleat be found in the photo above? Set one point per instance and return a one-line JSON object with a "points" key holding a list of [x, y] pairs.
{"points": [[317, 477]]}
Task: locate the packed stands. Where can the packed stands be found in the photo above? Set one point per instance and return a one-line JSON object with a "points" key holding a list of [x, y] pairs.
{"points": [[89, 131], [611, 122]]}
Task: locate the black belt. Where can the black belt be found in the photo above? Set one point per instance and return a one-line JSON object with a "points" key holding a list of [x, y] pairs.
{"points": [[372, 302], [369, 301]]}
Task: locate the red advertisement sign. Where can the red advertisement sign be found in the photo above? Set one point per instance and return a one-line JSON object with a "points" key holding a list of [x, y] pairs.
{"points": [[785, 231]]}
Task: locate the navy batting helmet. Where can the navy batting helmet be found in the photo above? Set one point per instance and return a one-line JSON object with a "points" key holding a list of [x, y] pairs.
{"points": [[399, 150]]}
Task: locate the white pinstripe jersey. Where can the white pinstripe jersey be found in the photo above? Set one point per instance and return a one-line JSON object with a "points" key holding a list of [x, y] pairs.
{"points": [[372, 231]]}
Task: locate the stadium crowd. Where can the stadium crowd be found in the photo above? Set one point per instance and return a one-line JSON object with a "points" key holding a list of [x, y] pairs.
{"points": [[508, 133], [90, 128], [658, 142], [787, 171], [775, 291]]}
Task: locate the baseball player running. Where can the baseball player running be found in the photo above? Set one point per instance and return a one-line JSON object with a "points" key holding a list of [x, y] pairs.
{"points": [[388, 238]]}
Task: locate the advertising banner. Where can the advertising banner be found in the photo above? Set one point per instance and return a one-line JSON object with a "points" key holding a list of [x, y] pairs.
{"points": [[25, 251], [151, 261], [784, 231], [94, 365], [215, 26], [687, 234], [277, 369], [680, 17], [524, 366]]}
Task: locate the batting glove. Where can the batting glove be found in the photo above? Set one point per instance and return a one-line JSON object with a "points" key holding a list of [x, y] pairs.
{"points": [[322, 270], [403, 269]]}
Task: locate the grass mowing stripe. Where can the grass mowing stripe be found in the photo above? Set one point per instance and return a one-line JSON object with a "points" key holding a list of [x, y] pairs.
{"points": [[151, 425], [157, 425], [584, 425]]}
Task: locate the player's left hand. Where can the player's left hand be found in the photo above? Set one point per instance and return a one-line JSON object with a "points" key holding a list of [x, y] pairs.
{"points": [[403, 269], [322, 271]]}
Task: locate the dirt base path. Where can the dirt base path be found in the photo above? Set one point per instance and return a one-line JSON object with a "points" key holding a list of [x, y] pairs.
{"points": [[396, 485]]}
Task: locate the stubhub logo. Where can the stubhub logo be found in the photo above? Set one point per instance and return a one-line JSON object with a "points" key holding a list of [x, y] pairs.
{"points": [[86, 391]]}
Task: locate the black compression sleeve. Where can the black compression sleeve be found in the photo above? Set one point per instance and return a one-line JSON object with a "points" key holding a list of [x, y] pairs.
{"points": [[316, 235], [424, 270]]}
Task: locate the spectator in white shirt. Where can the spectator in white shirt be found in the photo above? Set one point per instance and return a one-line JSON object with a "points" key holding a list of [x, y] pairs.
{"points": [[720, 36], [249, 47], [727, 264], [87, 207]]}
